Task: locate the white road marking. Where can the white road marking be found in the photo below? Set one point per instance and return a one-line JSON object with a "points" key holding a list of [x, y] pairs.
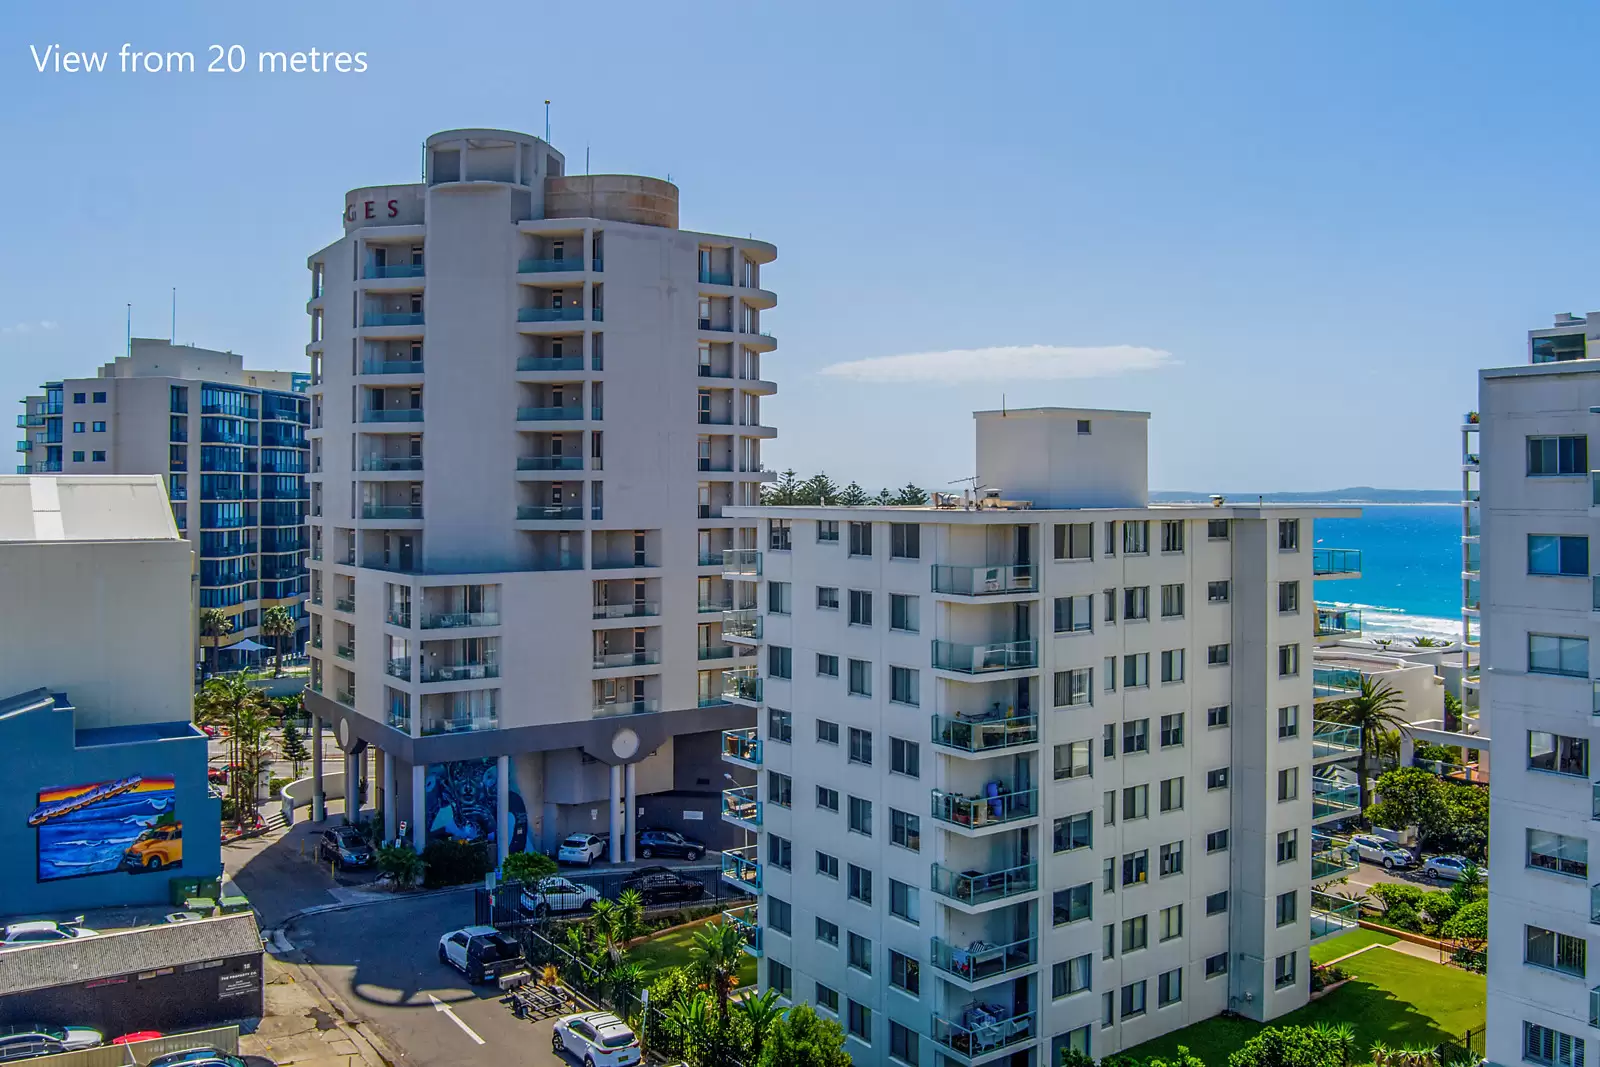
{"points": [[439, 1005]]}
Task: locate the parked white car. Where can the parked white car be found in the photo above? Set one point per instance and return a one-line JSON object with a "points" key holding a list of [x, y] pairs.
{"points": [[582, 849], [1450, 868], [1376, 849], [482, 953], [558, 894], [42, 931], [597, 1038]]}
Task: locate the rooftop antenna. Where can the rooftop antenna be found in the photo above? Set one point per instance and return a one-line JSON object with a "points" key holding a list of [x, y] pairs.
{"points": [[128, 347], [547, 122]]}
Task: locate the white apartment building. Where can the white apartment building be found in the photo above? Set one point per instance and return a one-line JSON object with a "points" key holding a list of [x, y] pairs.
{"points": [[1537, 605], [1037, 773], [534, 396]]}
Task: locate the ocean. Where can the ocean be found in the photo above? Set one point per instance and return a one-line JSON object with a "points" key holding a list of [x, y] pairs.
{"points": [[1410, 580]]}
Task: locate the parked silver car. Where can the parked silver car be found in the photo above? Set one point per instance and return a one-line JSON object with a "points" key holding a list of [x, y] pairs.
{"points": [[1375, 849]]}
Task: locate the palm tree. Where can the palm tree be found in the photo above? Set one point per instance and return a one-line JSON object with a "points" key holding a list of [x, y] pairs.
{"points": [[277, 624], [231, 702], [629, 922], [715, 957], [1375, 710], [1361, 900], [1341, 1036], [214, 625], [624, 981], [759, 1012]]}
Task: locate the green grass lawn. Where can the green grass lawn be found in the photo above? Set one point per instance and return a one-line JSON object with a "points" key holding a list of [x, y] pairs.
{"points": [[671, 949], [1334, 947], [1391, 997]]}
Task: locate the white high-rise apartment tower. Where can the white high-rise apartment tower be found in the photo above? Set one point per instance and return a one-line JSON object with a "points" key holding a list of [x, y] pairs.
{"points": [[1037, 773], [533, 398], [1537, 602]]}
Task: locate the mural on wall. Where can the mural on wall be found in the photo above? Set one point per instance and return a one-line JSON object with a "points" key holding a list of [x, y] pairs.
{"points": [[129, 824], [461, 798]]}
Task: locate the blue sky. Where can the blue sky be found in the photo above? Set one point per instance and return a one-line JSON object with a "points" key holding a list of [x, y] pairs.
{"points": [[1291, 231]]}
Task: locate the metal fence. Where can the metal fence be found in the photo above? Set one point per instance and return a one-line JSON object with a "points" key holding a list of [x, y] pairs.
{"points": [[501, 905], [1469, 1049], [138, 1053]]}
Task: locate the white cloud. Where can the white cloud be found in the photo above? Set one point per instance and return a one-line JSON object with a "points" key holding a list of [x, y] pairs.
{"points": [[30, 327], [1007, 363]]}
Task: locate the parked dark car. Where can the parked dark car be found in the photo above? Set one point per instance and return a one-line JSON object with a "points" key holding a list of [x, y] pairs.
{"points": [[652, 843], [25, 1041], [659, 885], [208, 1057], [343, 846]]}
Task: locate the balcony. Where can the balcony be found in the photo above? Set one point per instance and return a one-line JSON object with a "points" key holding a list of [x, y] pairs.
{"points": [[747, 921], [711, 557], [742, 747], [709, 606], [743, 625], [741, 562], [742, 686], [1335, 683], [549, 363], [980, 962], [347, 697], [463, 723], [715, 652], [716, 277], [391, 463], [391, 415], [973, 816], [984, 1040], [741, 808], [569, 413], [398, 618], [983, 581], [990, 734], [638, 609], [985, 659], [393, 270], [398, 668], [1333, 799], [971, 890], [346, 604], [1337, 622], [567, 314], [548, 266], [1334, 740], [1336, 562], [345, 651], [391, 511], [455, 619], [609, 660], [549, 512], [740, 869], [460, 672], [391, 366], [392, 318], [628, 707], [549, 463]]}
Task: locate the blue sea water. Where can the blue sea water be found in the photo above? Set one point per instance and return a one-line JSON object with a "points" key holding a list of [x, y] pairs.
{"points": [[1410, 580], [92, 840]]}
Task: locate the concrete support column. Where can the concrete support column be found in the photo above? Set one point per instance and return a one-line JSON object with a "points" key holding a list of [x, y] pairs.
{"points": [[502, 806], [630, 816], [419, 806], [388, 796], [352, 787], [319, 801], [616, 812]]}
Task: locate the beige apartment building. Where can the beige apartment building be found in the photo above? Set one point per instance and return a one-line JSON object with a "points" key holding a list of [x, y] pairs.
{"points": [[534, 399]]}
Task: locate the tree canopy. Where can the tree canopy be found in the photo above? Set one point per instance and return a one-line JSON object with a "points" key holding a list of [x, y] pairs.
{"points": [[1449, 816], [819, 489]]}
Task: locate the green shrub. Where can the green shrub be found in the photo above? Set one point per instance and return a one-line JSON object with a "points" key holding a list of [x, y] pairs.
{"points": [[1402, 916], [275, 786], [1470, 923], [1441, 907], [455, 862], [527, 867], [1289, 1046], [1391, 893]]}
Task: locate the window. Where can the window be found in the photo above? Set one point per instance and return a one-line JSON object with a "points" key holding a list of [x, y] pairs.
{"points": [[828, 531], [1108, 875], [1288, 784], [1169, 987], [1135, 933], [827, 666], [1074, 540], [1074, 688], [1172, 858], [1288, 907], [1136, 867], [1217, 717], [1541, 1044], [780, 726], [1072, 760], [1548, 554], [905, 902], [1558, 853], [1108, 741], [80, 398], [1108, 808], [1217, 779], [858, 883], [1074, 614], [905, 540], [1172, 535], [778, 598], [1217, 529], [1172, 730], [1136, 603], [1288, 535], [860, 684], [1136, 670], [828, 997], [780, 789], [1216, 965], [1070, 976], [1109, 673], [778, 914], [1217, 655], [1074, 831], [860, 607], [859, 951], [905, 757], [904, 972], [860, 747], [1133, 999], [1111, 538], [77, 427], [1136, 736], [1085, 426], [99, 427], [828, 867], [1283, 970], [861, 816], [1071, 905], [1558, 753], [1135, 538], [778, 535], [1554, 951], [904, 686], [1288, 845], [1108, 941], [780, 661], [1550, 654], [1217, 903], [1548, 456], [1289, 721], [860, 538], [1172, 601], [97, 456], [904, 614], [1288, 661], [1170, 923], [1172, 794], [905, 829], [859, 1020], [77, 457], [779, 978], [1218, 592], [904, 1044], [827, 732], [1109, 599], [1135, 802], [1288, 598], [1217, 841], [828, 597], [99, 398], [780, 851]]}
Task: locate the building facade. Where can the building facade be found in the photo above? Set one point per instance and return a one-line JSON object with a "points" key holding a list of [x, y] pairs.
{"points": [[1033, 773], [534, 396], [230, 445], [1537, 608]]}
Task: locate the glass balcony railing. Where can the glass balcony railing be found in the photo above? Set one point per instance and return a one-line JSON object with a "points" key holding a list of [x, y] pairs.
{"points": [[567, 314], [983, 581], [1334, 739], [392, 318], [711, 652], [550, 463], [716, 277], [716, 605], [1326, 561], [628, 707], [548, 512], [347, 697], [607, 660], [345, 651], [459, 672], [345, 603], [745, 562], [744, 624], [394, 270], [399, 717], [543, 363], [982, 887], [990, 733], [1330, 863], [391, 415], [465, 723], [1331, 797], [983, 1039], [548, 266], [638, 609], [983, 659], [742, 684], [741, 806], [391, 463], [398, 668], [747, 921], [391, 511], [391, 366], [973, 964], [569, 413], [399, 618], [452, 619], [740, 867], [1337, 622], [978, 811], [1335, 681], [742, 746]]}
